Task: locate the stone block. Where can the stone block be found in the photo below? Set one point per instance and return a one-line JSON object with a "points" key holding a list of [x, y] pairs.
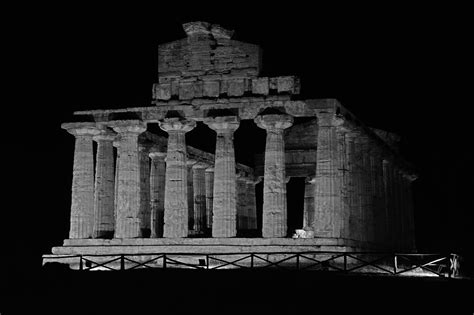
{"points": [[260, 86], [186, 91], [286, 84], [162, 91], [235, 87], [211, 88]]}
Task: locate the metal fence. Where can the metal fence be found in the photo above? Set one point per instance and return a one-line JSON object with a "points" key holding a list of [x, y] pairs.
{"points": [[407, 264]]}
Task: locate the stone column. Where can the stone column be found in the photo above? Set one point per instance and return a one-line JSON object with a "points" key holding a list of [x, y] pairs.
{"points": [[145, 210], [157, 192], [104, 220], [82, 192], [359, 188], [224, 203], [176, 194], [241, 190], [274, 217], [190, 194], [209, 178], [390, 203], [327, 200], [117, 160], [379, 215], [350, 183], [199, 189], [251, 204], [308, 214], [127, 223]]}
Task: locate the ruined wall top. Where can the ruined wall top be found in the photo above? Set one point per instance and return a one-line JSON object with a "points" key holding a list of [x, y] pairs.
{"points": [[207, 50]]}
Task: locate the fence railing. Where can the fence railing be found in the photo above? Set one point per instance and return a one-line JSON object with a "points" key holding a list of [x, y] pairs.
{"points": [[409, 264]]}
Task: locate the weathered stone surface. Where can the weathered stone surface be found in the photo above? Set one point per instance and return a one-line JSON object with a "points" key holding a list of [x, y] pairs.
{"points": [[251, 204], [176, 194], [199, 189], [145, 210], [127, 223], [224, 203], [308, 214], [190, 189], [157, 192], [260, 86], [274, 182], [209, 178], [104, 190], [328, 184], [82, 198]]}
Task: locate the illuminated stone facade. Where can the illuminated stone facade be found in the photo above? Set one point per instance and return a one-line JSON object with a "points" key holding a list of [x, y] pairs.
{"points": [[161, 191]]}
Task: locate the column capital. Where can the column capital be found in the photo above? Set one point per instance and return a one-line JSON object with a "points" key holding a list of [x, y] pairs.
{"points": [[330, 119], [81, 128], [210, 169], [177, 124], [223, 124], [157, 155], [105, 134], [274, 121], [128, 126], [200, 165]]}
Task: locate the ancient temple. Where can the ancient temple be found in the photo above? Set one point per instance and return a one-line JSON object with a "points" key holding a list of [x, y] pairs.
{"points": [[143, 192]]}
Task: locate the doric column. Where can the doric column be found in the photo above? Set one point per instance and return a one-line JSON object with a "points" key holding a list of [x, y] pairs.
{"points": [[117, 160], [327, 200], [82, 192], [379, 203], [389, 239], [274, 217], [157, 192], [209, 178], [242, 215], [308, 214], [176, 194], [359, 188], [104, 221], [190, 194], [224, 204], [145, 209], [350, 184], [366, 191], [127, 223], [199, 189], [251, 204], [398, 209]]}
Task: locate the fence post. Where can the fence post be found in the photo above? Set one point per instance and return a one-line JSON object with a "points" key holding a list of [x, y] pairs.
{"points": [[81, 267], [251, 260], [207, 261], [298, 261], [164, 261], [122, 262]]}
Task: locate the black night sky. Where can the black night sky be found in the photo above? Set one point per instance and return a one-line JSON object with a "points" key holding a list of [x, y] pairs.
{"points": [[403, 69]]}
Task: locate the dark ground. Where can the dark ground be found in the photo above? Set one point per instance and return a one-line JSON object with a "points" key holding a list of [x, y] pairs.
{"points": [[234, 292]]}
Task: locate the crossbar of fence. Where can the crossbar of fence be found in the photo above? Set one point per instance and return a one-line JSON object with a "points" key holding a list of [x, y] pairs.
{"points": [[352, 262]]}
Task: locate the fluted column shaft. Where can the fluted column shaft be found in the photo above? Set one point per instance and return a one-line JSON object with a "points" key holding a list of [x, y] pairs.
{"points": [[350, 183], [389, 204], [327, 200], [157, 192], [104, 193], [199, 189], [274, 217], [145, 209], [190, 188], [116, 144], [82, 192], [251, 205], [224, 203], [127, 224], [308, 210], [379, 203], [209, 178], [242, 219], [176, 194]]}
